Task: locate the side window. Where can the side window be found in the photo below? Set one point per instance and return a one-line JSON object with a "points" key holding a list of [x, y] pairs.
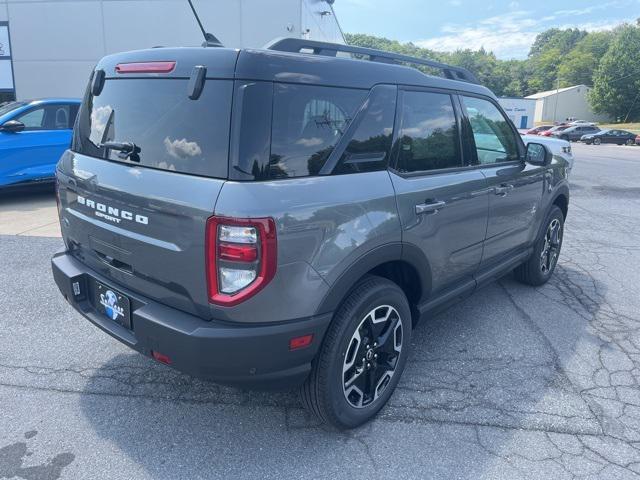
{"points": [[33, 119], [428, 133], [495, 140], [307, 123], [369, 147], [48, 117]]}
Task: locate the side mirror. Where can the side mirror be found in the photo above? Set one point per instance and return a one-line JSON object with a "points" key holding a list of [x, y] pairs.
{"points": [[12, 126], [538, 154]]}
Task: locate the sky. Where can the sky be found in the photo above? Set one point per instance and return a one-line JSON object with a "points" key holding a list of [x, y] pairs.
{"points": [[506, 27]]}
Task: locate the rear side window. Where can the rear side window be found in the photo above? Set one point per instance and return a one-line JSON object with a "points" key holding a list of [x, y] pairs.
{"points": [[171, 131], [369, 147], [428, 133], [307, 123]]}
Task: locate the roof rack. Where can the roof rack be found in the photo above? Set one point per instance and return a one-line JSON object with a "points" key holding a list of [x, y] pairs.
{"points": [[299, 45]]}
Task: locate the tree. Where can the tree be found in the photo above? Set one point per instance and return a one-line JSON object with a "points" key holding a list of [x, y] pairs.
{"points": [[579, 65], [616, 84], [554, 38]]}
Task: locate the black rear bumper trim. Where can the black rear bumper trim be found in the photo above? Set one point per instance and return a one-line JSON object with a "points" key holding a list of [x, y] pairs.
{"points": [[255, 356]]}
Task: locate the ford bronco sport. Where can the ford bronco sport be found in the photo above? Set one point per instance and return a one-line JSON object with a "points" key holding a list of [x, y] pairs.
{"points": [[283, 217]]}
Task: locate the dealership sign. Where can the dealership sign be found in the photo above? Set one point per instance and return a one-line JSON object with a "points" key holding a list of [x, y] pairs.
{"points": [[6, 66]]}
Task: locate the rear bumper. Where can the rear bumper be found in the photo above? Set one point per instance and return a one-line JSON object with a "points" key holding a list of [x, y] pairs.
{"points": [[251, 356]]}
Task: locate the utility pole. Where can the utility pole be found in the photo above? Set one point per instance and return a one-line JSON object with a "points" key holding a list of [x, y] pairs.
{"points": [[555, 109]]}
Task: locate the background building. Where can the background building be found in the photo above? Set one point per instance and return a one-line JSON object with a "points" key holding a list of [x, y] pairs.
{"points": [[519, 110], [56, 43], [570, 102]]}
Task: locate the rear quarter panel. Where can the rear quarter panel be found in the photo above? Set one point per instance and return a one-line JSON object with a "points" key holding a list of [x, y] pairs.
{"points": [[324, 224]]}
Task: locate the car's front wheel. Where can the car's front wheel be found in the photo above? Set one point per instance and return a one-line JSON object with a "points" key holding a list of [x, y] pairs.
{"points": [[629, 141], [540, 266], [362, 356], [597, 141]]}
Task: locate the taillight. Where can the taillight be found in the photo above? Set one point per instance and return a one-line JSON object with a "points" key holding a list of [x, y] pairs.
{"points": [[241, 257]]}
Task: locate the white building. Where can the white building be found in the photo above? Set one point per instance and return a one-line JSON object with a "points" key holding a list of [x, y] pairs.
{"points": [[519, 110], [570, 102], [54, 44]]}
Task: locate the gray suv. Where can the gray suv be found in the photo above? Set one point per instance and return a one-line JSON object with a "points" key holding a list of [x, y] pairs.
{"points": [[283, 217]]}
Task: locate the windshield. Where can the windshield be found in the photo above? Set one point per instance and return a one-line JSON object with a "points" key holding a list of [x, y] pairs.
{"points": [[8, 107], [168, 130]]}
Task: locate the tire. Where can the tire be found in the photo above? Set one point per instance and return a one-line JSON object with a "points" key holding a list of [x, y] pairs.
{"points": [[629, 141], [344, 355], [597, 141], [536, 270]]}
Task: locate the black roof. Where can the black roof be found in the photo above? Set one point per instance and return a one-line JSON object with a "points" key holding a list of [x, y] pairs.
{"points": [[282, 66]]}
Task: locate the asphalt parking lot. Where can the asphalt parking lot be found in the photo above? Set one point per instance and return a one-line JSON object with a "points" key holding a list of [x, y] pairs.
{"points": [[513, 383]]}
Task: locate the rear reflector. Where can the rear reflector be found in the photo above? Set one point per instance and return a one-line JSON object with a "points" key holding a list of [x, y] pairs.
{"points": [[146, 67], [300, 342], [161, 357], [238, 253]]}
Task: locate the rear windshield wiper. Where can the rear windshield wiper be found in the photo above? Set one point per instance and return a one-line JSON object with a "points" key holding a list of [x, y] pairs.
{"points": [[127, 150]]}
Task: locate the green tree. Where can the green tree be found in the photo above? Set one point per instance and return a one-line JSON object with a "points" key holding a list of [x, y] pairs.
{"points": [[563, 40], [547, 53], [616, 84], [579, 65]]}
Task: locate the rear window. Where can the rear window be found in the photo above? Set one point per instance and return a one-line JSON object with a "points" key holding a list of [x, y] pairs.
{"points": [[171, 131], [308, 121]]}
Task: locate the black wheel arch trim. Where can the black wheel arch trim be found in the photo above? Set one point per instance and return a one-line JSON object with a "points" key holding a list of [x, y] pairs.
{"points": [[560, 190], [375, 257]]}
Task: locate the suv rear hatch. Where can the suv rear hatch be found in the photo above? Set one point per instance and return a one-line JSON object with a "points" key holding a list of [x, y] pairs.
{"points": [[148, 160]]}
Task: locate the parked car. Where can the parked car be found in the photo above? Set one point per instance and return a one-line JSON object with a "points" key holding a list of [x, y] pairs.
{"points": [[619, 137], [575, 133], [33, 136], [551, 131], [638, 140], [259, 218], [538, 130], [581, 122], [559, 148]]}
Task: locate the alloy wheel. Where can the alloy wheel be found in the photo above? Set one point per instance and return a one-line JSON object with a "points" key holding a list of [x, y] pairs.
{"points": [[551, 248], [372, 356]]}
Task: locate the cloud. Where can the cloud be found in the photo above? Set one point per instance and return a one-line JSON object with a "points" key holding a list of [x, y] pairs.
{"points": [[510, 34], [182, 148], [310, 142], [99, 118], [507, 35]]}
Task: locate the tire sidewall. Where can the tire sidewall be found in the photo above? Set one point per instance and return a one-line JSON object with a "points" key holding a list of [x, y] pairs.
{"points": [[385, 294], [554, 213]]}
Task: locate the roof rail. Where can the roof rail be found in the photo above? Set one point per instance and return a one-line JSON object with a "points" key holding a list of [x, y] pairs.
{"points": [[299, 45]]}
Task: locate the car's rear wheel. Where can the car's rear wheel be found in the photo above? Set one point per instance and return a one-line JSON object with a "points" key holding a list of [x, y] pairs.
{"points": [[629, 141], [540, 266], [362, 356], [597, 141]]}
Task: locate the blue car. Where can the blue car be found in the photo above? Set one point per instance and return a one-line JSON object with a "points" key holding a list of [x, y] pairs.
{"points": [[33, 136]]}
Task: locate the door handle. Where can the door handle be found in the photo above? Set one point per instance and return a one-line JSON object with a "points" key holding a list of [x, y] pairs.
{"points": [[503, 189], [431, 207]]}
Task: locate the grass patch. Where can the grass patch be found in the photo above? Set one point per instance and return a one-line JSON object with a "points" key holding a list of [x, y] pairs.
{"points": [[631, 127]]}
